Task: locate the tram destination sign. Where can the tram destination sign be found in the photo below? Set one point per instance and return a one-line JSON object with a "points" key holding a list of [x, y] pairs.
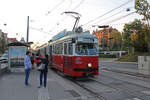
{"points": [[88, 40]]}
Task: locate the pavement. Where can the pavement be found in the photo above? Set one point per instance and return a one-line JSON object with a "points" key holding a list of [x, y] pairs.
{"points": [[12, 87], [113, 60]]}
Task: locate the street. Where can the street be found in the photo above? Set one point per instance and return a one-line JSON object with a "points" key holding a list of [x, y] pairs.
{"points": [[108, 85]]}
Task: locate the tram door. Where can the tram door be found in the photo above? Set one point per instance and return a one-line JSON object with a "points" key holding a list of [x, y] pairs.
{"points": [[50, 55], [67, 58]]}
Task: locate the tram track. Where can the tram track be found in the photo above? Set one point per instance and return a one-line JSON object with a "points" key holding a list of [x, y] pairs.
{"points": [[79, 84], [127, 90], [127, 73], [98, 96], [125, 81]]}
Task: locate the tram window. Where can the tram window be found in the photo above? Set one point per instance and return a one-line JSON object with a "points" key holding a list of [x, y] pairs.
{"points": [[86, 49], [70, 48], [61, 48], [57, 48], [53, 49], [65, 48]]}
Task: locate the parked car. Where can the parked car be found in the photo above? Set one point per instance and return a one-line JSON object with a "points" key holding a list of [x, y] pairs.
{"points": [[0, 55], [4, 57]]}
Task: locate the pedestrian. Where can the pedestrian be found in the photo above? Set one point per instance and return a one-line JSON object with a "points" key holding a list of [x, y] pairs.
{"points": [[37, 60], [28, 66], [32, 60], [44, 71]]}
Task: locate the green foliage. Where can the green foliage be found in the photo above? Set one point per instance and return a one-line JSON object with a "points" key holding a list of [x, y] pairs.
{"points": [[132, 57], [115, 40], [129, 58], [2, 45], [143, 8], [135, 28], [146, 32]]}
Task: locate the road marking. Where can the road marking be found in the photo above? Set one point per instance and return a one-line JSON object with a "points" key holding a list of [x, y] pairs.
{"points": [[133, 99], [76, 98], [43, 94], [146, 92], [136, 99]]}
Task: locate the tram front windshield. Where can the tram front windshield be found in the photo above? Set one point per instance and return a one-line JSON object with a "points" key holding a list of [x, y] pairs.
{"points": [[86, 49]]}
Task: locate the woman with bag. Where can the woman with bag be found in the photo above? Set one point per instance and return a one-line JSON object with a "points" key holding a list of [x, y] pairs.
{"points": [[43, 68]]}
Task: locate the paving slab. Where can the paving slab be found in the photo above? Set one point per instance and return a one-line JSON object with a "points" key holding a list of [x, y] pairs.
{"points": [[12, 87]]}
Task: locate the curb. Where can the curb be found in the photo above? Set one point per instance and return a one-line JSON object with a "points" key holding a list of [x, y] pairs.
{"points": [[126, 62], [128, 73], [118, 62]]}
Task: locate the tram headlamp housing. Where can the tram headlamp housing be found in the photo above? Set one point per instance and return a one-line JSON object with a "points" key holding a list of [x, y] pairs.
{"points": [[89, 65]]}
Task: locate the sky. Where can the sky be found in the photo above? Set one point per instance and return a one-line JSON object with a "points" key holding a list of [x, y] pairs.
{"points": [[46, 18]]}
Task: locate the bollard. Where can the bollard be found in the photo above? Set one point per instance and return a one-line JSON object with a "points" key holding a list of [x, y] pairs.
{"points": [[144, 65]]}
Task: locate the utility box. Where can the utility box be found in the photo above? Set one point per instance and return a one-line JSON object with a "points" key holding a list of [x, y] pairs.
{"points": [[144, 65]]}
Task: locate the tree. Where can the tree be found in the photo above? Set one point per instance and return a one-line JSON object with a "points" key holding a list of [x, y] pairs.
{"points": [[115, 40], [146, 32], [2, 45], [143, 8], [134, 37]]}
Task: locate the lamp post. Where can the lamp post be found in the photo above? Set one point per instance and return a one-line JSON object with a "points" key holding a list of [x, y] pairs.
{"points": [[27, 29]]}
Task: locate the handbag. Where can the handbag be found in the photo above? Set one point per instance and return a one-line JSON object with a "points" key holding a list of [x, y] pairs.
{"points": [[41, 67]]}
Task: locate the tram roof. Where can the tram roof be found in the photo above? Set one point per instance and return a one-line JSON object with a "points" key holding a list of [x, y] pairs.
{"points": [[71, 34], [18, 44]]}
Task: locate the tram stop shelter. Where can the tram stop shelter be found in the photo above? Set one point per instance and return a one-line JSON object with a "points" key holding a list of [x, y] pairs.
{"points": [[16, 55]]}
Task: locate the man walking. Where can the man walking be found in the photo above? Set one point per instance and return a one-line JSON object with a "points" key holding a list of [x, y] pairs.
{"points": [[28, 66]]}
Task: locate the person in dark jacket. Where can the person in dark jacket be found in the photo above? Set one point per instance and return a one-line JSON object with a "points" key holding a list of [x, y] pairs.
{"points": [[44, 72], [32, 60]]}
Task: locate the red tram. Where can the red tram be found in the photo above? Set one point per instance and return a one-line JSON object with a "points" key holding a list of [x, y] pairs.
{"points": [[73, 53]]}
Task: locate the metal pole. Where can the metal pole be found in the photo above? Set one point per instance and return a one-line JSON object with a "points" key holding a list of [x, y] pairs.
{"points": [[27, 29], [76, 23]]}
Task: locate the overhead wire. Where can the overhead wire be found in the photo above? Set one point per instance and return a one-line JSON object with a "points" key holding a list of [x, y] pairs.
{"points": [[40, 30], [108, 12], [77, 6], [59, 23], [111, 15], [121, 17], [56, 6], [117, 19]]}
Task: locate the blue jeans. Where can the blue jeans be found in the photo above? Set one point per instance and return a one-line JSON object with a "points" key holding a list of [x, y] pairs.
{"points": [[41, 78], [27, 72]]}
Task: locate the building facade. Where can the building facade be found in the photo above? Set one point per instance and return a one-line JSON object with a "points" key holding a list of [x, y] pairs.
{"points": [[11, 40], [3, 35], [103, 37]]}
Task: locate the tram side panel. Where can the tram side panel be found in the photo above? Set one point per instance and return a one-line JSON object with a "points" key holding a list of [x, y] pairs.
{"points": [[76, 66], [57, 62], [85, 66], [68, 65]]}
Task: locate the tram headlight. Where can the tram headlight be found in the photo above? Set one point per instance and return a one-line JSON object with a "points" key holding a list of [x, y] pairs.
{"points": [[89, 65]]}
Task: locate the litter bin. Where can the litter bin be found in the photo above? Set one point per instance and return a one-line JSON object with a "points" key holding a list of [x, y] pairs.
{"points": [[144, 65]]}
